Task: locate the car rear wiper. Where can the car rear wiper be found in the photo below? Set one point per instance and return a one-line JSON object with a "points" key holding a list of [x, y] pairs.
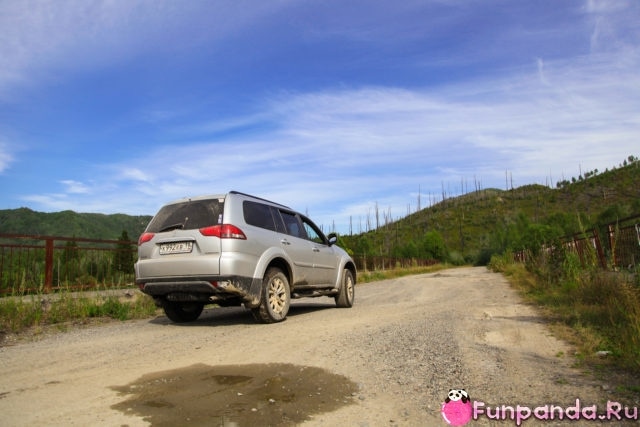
{"points": [[179, 225]]}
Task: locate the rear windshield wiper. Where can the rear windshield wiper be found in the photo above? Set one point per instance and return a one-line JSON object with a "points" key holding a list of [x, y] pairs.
{"points": [[179, 225]]}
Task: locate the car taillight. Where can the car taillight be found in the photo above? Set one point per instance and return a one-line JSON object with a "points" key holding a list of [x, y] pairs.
{"points": [[145, 237], [223, 231]]}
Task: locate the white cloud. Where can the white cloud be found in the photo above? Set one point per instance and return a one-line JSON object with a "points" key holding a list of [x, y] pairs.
{"points": [[334, 152], [337, 151], [75, 187], [39, 36], [130, 173], [6, 158]]}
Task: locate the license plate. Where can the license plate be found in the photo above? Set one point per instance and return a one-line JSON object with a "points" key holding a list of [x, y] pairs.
{"points": [[176, 248]]}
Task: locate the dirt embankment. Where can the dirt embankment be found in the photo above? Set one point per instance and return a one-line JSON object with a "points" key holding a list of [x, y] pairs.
{"points": [[389, 360]]}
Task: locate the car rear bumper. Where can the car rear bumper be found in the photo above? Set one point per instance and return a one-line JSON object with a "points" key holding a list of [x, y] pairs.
{"points": [[203, 288]]}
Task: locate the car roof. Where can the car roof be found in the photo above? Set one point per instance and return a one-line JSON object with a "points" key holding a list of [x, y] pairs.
{"points": [[222, 196]]}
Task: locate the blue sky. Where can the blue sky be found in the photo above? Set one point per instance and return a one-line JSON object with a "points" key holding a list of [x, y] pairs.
{"points": [[330, 107]]}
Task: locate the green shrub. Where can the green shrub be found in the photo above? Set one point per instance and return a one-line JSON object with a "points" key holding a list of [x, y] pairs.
{"points": [[602, 308]]}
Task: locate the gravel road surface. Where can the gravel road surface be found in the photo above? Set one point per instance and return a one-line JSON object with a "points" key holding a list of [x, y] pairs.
{"points": [[390, 360]]}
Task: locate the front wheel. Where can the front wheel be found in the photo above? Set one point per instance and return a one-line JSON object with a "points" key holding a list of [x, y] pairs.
{"points": [[274, 299], [181, 312], [345, 297]]}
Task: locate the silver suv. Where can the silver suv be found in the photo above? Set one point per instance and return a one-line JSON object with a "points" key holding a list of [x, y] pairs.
{"points": [[236, 249]]}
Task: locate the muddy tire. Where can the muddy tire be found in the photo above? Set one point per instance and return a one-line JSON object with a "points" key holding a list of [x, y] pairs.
{"points": [[182, 312], [274, 299], [347, 291]]}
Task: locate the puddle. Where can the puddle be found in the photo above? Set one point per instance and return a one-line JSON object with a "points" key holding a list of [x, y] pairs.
{"points": [[271, 394]]}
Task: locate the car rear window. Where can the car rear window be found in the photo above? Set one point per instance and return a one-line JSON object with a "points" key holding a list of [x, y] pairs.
{"points": [[187, 216], [259, 215]]}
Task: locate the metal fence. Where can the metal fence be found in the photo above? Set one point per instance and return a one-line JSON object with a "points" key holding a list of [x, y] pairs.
{"points": [[621, 249], [624, 242], [31, 263], [588, 247]]}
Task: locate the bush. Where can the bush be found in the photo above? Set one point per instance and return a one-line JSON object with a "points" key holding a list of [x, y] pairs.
{"points": [[602, 308], [456, 258]]}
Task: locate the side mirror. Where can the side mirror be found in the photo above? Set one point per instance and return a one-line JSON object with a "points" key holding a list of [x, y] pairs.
{"points": [[333, 238]]}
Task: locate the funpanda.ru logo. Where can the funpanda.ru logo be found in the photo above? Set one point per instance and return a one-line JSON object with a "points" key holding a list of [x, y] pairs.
{"points": [[456, 408]]}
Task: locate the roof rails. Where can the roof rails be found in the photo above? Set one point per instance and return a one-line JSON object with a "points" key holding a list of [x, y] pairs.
{"points": [[258, 198]]}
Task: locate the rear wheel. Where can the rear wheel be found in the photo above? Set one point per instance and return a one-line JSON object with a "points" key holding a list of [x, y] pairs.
{"points": [[274, 299], [181, 312], [345, 298]]}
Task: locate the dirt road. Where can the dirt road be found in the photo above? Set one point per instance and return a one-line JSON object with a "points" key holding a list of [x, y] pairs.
{"points": [[389, 360]]}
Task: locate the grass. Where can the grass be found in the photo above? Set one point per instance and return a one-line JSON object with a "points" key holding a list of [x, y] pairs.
{"points": [[20, 313], [594, 310], [392, 273]]}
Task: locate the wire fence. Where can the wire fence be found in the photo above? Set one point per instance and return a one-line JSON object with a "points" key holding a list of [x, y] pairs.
{"points": [[619, 250], [624, 242], [30, 264]]}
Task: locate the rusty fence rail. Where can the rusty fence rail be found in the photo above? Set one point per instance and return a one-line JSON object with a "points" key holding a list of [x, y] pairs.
{"points": [[624, 242], [31, 263], [620, 249]]}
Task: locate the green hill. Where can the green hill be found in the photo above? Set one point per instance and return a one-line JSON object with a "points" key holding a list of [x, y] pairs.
{"points": [[474, 225], [71, 224]]}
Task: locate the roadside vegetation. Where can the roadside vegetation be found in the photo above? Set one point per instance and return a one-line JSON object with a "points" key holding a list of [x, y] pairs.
{"points": [[376, 275], [597, 311], [32, 312]]}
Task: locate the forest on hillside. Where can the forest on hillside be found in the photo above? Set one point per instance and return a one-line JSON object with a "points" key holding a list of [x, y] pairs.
{"points": [[471, 227], [71, 224]]}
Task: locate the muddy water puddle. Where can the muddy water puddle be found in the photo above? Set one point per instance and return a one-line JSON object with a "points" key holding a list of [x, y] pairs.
{"points": [[271, 394]]}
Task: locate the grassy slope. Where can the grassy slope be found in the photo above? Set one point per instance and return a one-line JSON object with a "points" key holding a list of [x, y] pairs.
{"points": [[468, 223]]}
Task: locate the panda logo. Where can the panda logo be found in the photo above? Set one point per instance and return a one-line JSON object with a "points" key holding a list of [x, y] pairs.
{"points": [[456, 408], [455, 395]]}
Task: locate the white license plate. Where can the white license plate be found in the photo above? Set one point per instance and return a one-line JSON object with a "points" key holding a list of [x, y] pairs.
{"points": [[176, 248]]}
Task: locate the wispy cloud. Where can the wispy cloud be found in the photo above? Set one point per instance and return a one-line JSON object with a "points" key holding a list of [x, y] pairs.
{"points": [[6, 158], [38, 36], [379, 144], [75, 187], [389, 98]]}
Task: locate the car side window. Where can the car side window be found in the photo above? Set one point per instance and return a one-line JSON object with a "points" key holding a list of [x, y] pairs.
{"points": [[292, 224], [258, 215], [313, 233], [280, 227]]}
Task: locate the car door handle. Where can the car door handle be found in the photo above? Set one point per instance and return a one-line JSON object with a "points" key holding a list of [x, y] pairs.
{"points": [[285, 242], [316, 249]]}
